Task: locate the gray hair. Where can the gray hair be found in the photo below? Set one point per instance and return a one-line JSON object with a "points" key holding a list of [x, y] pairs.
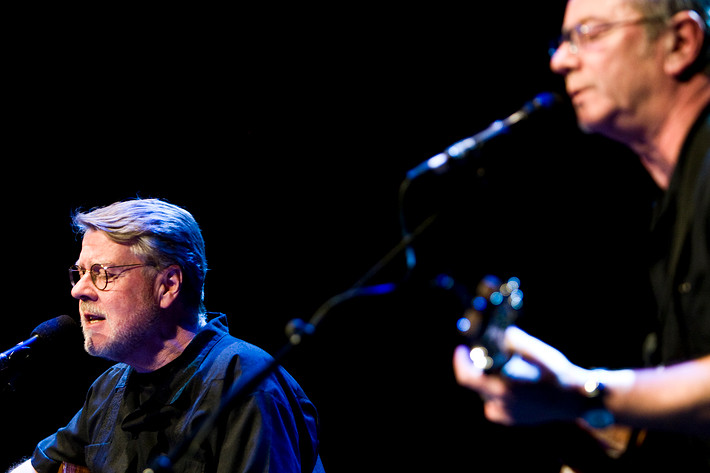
{"points": [[159, 233]]}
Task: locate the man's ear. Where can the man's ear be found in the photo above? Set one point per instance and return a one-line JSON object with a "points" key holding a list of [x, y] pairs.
{"points": [[170, 283], [685, 44]]}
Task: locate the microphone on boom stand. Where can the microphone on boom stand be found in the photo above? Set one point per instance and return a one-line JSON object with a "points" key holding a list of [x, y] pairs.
{"points": [[461, 149]]}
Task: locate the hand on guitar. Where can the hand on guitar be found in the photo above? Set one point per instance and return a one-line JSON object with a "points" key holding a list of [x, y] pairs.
{"points": [[521, 379], [539, 384]]}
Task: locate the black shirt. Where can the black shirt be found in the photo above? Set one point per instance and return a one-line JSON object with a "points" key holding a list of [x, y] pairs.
{"points": [[129, 418], [680, 276], [680, 251]]}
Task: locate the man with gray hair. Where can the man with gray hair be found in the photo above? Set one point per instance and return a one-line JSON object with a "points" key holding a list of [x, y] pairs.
{"points": [[139, 281], [636, 71]]}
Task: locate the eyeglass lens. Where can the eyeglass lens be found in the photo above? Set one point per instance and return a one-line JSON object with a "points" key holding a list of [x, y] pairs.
{"points": [[99, 275]]}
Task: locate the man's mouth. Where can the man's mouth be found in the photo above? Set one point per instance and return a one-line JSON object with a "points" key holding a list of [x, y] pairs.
{"points": [[574, 94], [93, 319], [90, 314]]}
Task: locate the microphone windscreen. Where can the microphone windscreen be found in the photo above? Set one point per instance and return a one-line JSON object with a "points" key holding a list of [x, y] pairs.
{"points": [[546, 100], [55, 328]]}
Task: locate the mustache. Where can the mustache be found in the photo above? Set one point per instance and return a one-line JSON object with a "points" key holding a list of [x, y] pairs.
{"points": [[91, 308]]}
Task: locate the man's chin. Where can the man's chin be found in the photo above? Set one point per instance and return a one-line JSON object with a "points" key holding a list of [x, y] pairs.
{"points": [[596, 121], [91, 348], [587, 123], [100, 350]]}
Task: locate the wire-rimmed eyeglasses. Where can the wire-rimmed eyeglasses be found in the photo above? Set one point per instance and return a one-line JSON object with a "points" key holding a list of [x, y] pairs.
{"points": [[581, 35], [100, 274]]}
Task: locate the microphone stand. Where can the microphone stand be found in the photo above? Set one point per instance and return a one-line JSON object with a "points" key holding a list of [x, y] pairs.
{"points": [[296, 330]]}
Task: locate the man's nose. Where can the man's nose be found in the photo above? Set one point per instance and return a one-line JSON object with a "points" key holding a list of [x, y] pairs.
{"points": [[563, 60], [84, 289]]}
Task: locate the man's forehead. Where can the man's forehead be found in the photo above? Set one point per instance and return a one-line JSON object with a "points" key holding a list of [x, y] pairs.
{"points": [[580, 11], [96, 245]]}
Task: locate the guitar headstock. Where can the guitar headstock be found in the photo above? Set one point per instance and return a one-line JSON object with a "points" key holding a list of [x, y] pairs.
{"points": [[496, 306]]}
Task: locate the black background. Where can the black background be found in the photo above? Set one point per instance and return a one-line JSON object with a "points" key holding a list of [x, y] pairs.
{"points": [[287, 132]]}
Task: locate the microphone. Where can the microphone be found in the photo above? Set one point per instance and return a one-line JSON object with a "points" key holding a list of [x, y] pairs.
{"points": [[46, 332], [461, 149]]}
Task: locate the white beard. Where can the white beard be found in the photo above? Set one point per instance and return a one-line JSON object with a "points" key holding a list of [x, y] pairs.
{"points": [[124, 337]]}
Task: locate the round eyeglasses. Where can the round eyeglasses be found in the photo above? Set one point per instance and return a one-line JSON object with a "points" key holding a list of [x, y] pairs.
{"points": [[100, 274]]}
